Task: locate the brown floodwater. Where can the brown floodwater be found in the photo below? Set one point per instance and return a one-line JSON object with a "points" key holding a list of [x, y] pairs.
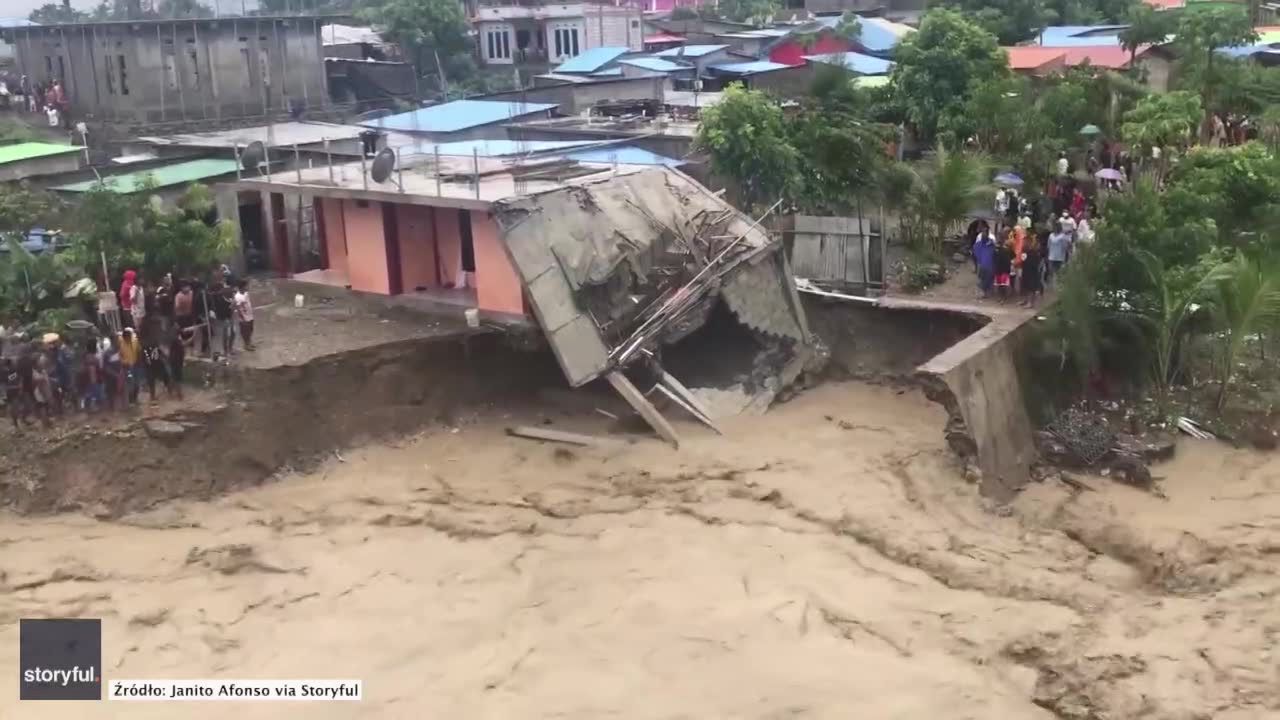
{"points": [[826, 560]]}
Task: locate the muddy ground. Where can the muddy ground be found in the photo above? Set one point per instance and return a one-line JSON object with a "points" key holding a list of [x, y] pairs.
{"points": [[826, 560]]}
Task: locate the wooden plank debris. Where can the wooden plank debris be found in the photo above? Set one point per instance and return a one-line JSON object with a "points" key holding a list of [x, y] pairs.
{"points": [[572, 438], [637, 400], [685, 398]]}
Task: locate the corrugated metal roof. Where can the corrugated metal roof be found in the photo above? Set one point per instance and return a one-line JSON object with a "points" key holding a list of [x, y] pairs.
{"points": [[1032, 57], [857, 62], [591, 60], [655, 64], [749, 68], [622, 156], [611, 72], [877, 34], [166, 176], [1080, 35], [10, 22], [31, 150], [497, 148], [691, 51], [459, 115]]}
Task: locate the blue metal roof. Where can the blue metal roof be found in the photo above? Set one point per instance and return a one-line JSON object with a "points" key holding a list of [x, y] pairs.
{"points": [[690, 51], [857, 62], [749, 68], [591, 60], [1080, 35], [11, 22], [458, 115], [622, 156], [611, 72], [655, 64], [876, 35], [498, 148]]}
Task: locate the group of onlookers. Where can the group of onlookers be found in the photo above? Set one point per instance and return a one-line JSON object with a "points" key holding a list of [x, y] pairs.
{"points": [[106, 370], [1029, 244], [47, 98]]}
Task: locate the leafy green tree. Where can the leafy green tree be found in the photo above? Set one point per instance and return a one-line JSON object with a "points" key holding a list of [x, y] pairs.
{"points": [[1137, 223], [948, 187], [940, 65], [756, 12], [1161, 121], [998, 111], [1238, 188], [1248, 301], [1169, 304], [426, 30], [746, 136], [1012, 21], [1146, 26], [849, 27], [1201, 34], [57, 12], [842, 153]]}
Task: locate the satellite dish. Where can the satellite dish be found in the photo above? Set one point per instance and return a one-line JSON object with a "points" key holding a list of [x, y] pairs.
{"points": [[383, 164], [253, 155]]}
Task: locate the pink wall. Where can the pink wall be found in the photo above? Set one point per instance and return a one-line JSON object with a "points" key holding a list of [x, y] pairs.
{"points": [[791, 52], [335, 234], [449, 243], [417, 256], [498, 287], [366, 247]]}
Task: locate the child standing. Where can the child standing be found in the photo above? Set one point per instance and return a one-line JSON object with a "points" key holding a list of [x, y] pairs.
{"points": [[1004, 268]]}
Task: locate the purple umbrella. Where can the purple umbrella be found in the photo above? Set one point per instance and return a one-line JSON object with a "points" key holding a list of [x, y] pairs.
{"points": [[1109, 174]]}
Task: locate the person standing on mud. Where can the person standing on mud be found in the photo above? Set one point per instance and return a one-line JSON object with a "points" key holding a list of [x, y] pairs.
{"points": [[93, 396], [131, 363], [244, 314], [184, 306], [42, 389], [12, 391], [225, 316], [157, 368], [1004, 267], [984, 257], [177, 358]]}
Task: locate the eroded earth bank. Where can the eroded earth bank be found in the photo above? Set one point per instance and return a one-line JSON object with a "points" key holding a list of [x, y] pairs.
{"points": [[826, 560]]}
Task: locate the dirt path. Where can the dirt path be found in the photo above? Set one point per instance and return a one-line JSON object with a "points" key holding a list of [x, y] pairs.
{"points": [[825, 560]]}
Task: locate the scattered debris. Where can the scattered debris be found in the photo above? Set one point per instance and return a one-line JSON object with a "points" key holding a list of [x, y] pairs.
{"points": [[1194, 429], [536, 433], [1083, 435]]}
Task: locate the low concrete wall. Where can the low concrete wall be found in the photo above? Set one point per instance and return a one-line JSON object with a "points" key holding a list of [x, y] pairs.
{"points": [[977, 381]]}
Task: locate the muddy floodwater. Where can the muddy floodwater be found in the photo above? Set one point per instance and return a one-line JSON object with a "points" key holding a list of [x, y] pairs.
{"points": [[826, 560]]}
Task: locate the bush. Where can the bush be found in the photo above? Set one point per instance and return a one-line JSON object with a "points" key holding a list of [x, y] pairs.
{"points": [[918, 271]]}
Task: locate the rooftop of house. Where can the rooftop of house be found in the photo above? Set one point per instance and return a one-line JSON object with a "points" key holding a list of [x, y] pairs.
{"points": [[655, 64], [622, 155], [1111, 58], [875, 34], [304, 21], [854, 61], [18, 152], [591, 60], [690, 51], [160, 177], [547, 12], [1031, 57], [338, 34], [454, 186], [754, 67], [458, 115], [1080, 35], [9, 22], [613, 127], [656, 38], [279, 134]]}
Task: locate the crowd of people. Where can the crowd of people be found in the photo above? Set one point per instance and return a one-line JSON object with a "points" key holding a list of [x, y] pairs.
{"points": [[1029, 243], [48, 98], [102, 370]]}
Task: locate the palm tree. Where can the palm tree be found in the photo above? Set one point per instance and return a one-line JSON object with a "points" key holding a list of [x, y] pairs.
{"points": [[1171, 303], [1248, 301], [948, 189]]}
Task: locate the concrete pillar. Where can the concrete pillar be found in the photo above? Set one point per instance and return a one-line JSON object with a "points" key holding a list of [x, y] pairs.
{"points": [[227, 202]]}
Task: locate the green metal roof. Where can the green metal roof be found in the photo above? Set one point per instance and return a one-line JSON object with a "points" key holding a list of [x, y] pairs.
{"points": [[168, 175], [31, 150]]}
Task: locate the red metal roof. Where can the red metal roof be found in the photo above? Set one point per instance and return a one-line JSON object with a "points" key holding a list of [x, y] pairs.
{"points": [[1111, 57], [1032, 57], [1165, 4]]}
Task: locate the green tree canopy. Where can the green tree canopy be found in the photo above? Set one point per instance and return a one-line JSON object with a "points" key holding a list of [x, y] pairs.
{"points": [[1200, 34], [939, 67], [1161, 121], [746, 136], [421, 27], [756, 12], [57, 12], [1011, 21], [1146, 26]]}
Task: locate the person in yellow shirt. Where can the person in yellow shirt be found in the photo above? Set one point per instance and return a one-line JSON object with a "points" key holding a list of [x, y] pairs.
{"points": [[131, 361]]}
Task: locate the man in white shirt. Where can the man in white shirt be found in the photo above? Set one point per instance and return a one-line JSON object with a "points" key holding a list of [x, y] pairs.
{"points": [[244, 313], [1064, 167]]}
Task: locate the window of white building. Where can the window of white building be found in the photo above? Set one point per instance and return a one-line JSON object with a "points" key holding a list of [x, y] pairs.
{"points": [[497, 44]]}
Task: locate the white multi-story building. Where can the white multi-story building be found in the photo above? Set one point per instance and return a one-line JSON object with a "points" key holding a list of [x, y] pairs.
{"points": [[551, 34]]}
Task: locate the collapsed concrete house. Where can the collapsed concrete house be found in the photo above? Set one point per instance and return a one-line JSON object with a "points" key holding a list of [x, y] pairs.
{"points": [[620, 266]]}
